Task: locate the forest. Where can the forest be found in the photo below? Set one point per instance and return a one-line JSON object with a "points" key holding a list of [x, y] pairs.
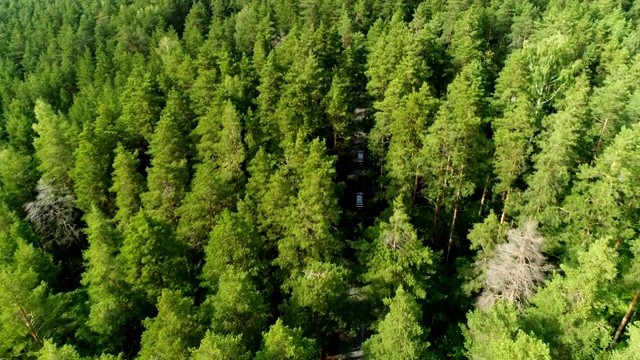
{"points": [[300, 179]]}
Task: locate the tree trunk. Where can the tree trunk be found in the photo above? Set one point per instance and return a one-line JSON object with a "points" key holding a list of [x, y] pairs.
{"points": [[335, 141], [504, 208], [625, 319], [484, 196], [29, 324], [453, 224], [596, 151], [415, 186], [435, 216]]}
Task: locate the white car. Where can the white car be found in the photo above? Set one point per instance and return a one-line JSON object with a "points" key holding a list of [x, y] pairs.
{"points": [[359, 200], [360, 157]]}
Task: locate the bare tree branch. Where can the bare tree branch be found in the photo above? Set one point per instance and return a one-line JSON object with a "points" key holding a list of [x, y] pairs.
{"points": [[53, 214], [517, 268]]}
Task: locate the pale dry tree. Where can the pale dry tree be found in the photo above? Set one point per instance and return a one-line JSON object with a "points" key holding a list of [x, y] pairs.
{"points": [[53, 214], [516, 269]]}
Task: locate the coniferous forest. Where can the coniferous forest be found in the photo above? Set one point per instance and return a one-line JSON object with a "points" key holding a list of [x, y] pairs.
{"points": [[283, 179]]}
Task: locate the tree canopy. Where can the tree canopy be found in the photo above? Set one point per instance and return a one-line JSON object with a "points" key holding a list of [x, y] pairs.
{"points": [[284, 179]]}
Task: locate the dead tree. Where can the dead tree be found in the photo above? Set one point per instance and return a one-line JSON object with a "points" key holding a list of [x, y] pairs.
{"points": [[516, 269], [53, 215]]}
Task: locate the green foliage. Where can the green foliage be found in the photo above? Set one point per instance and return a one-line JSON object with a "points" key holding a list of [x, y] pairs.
{"points": [[495, 335], [633, 344], [140, 108], [29, 311], [91, 174], [223, 347], [312, 218], [233, 241], [568, 313], [282, 342], [51, 352], [168, 176], [218, 178], [127, 184], [175, 169], [112, 305], [398, 257], [151, 257], [17, 178], [320, 299], [399, 334], [173, 331], [53, 150], [237, 308]]}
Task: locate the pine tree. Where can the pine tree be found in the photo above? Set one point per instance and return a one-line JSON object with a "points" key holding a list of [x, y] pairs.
{"points": [[454, 142], [408, 126], [91, 173], [219, 177], [338, 108], [559, 153], [246, 28], [151, 257], [607, 102], [385, 53], [597, 199], [112, 305], [127, 184], [233, 241], [299, 107], [282, 342], [194, 28], [267, 100], [29, 311], [568, 314], [320, 300], [140, 109], [633, 344], [177, 69], [312, 219], [399, 334], [466, 42], [496, 334], [237, 308], [18, 178], [223, 347], [53, 150], [259, 170], [50, 351], [173, 331], [168, 176], [484, 238], [513, 131], [398, 257], [18, 124]]}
